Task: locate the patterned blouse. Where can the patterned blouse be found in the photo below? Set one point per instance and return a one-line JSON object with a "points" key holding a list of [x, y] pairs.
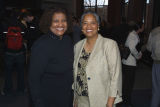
{"points": [[82, 86]]}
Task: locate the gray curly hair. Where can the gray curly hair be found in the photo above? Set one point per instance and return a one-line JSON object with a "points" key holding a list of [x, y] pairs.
{"points": [[93, 13]]}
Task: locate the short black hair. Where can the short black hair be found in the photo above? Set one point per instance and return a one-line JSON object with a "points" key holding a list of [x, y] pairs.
{"points": [[24, 15], [135, 25], [75, 19]]}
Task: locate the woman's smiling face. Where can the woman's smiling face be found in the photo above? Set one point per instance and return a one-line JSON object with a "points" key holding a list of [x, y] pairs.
{"points": [[89, 25], [59, 24]]}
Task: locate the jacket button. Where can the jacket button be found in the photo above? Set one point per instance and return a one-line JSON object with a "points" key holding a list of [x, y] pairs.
{"points": [[89, 78]]}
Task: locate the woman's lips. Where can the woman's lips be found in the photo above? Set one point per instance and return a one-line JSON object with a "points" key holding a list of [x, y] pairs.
{"points": [[60, 29], [89, 30]]}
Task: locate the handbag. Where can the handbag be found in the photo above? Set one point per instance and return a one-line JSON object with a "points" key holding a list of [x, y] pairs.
{"points": [[124, 51]]}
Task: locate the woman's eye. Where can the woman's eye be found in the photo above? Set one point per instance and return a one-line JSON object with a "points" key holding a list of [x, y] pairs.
{"points": [[55, 21], [84, 23], [64, 20], [93, 23]]}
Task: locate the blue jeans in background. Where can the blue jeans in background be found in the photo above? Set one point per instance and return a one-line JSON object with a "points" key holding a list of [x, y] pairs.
{"points": [[14, 62], [155, 85]]}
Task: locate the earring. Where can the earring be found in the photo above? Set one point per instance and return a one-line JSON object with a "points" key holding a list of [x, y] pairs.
{"points": [[98, 29]]}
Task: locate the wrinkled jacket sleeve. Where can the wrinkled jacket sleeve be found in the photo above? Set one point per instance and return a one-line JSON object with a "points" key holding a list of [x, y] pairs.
{"points": [[114, 63], [132, 42]]}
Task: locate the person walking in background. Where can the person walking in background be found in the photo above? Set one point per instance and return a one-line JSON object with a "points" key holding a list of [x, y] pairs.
{"points": [[15, 52], [129, 64], [153, 46], [97, 67], [33, 32], [51, 63], [76, 30]]}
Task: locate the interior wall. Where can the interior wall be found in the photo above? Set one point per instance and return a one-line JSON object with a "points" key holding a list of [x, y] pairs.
{"points": [[136, 10], [156, 13], [79, 7], [114, 12], [68, 4]]}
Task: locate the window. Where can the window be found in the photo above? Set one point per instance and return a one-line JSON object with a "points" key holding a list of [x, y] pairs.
{"points": [[100, 8], [93, 2], [126, 1]]}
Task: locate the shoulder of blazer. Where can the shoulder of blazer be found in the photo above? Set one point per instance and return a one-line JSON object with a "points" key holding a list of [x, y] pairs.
{"points": [[108, 42], [79, 44]]}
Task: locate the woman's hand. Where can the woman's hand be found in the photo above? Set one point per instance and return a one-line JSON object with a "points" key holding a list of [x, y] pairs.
{"points": [[75, 104], [109, 105], [110, 102]]}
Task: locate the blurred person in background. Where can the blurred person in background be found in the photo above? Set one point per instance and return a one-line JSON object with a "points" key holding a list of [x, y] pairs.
{"points": [[129, 64], [153, 46], [15, 58], [76, 30]]}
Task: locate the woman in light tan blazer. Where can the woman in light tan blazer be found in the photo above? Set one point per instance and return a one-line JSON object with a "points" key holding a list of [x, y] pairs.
{"points": [[97, 67]]}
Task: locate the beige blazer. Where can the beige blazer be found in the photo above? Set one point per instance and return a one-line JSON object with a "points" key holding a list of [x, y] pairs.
{"points": [[104, 76]]}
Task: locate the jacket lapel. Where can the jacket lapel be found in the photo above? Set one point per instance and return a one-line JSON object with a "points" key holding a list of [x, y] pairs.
{"points": [[80, 48], [95, 49]]}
